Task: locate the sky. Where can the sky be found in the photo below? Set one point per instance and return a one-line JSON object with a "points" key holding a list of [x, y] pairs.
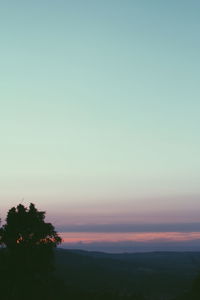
{"points": [[99, 110]]}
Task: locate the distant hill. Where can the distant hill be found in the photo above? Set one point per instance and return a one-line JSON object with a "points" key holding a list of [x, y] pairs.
{"points": [[154, 275]]}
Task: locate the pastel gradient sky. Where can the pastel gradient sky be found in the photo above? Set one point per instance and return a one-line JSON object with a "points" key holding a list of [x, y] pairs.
{"points": [[99, 114]]}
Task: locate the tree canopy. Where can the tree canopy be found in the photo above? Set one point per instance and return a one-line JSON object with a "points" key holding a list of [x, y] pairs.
{"points": [[26, 227], [28, 239], [27, 255]]}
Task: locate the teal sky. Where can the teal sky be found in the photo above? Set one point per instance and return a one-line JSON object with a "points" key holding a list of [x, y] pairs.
{"points": [[100, 104]]}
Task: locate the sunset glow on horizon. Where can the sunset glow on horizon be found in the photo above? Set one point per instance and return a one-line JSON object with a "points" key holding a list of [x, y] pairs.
{"points": [[88, 237]]}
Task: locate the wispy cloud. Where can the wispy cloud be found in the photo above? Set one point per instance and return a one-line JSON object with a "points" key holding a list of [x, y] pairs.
{"points": [[132, 242], [165, 227], [89, 237]]}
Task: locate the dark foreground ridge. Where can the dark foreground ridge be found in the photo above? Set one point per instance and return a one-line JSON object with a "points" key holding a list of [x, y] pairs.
{"points": [[94, 275], [156, 275]]}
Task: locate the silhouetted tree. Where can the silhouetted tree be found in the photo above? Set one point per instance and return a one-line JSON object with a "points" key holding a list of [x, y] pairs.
{"points": [[28, 249], [26, 227]]}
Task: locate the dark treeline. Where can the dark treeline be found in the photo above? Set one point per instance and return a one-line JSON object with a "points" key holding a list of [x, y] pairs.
{"points": [[28, 267]]}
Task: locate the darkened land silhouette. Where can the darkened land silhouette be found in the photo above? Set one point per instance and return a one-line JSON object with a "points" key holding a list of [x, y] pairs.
{"points": [[31, 267], [155, 276]]}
